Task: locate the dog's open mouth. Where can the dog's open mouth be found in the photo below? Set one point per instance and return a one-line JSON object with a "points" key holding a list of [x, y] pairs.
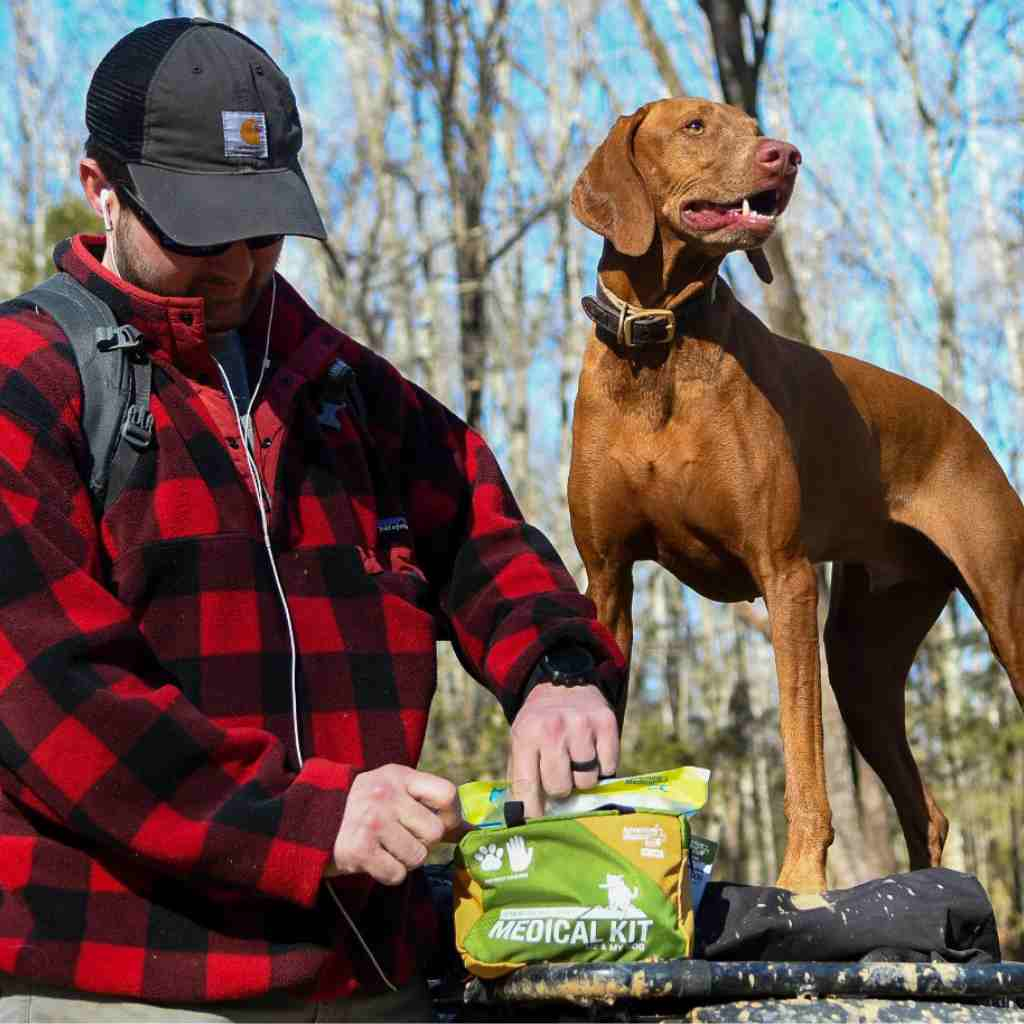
{"points": [[756, 212]]}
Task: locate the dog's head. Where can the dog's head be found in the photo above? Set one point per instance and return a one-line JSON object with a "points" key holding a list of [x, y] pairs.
{"points": [[698, 170]]}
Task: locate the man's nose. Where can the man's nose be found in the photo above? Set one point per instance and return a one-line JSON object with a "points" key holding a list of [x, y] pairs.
{"points": [[236, 260], [778, 158]]}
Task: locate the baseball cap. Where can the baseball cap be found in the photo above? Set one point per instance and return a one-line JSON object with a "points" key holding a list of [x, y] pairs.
{"points": [[207, 126]]}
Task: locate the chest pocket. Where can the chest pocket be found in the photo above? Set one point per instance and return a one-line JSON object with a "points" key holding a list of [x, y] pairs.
{"points": [[381, 529]]}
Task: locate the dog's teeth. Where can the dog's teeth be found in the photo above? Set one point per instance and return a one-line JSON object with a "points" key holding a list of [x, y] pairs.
{"points": [[746, 207]]}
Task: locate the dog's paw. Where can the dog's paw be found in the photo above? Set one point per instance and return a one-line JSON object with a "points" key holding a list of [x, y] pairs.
{"points": [[489, 857]]}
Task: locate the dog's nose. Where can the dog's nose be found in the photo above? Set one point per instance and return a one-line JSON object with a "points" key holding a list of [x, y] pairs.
{"points": [[778, 157]]}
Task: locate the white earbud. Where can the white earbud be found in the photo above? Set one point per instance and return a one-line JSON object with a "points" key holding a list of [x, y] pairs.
{"points": [[105, 196]]}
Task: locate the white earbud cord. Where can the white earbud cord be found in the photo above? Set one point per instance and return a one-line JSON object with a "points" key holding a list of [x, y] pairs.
{"points": [[109, 228], [262, 499]]}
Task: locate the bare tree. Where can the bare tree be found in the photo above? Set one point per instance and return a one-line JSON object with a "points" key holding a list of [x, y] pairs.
{"points": [[730, 22], [28, 98], [454, 54]]}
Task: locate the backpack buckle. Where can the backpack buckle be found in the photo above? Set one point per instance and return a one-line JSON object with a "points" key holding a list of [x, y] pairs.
{"points": [[108, 339], [137, 428]]}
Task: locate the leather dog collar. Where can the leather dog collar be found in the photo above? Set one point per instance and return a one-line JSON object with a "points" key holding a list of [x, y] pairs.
{"points": [[636, 326]]}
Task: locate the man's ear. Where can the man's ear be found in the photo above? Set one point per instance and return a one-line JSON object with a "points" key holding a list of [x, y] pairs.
{"points": [[761, 265], [610, 197], [94, 183]]}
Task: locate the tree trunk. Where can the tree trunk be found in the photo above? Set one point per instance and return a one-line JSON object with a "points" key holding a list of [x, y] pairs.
{"points": [[27, 94]]}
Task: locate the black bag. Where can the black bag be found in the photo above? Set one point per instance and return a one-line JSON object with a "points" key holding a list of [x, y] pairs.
{"points": [[932, 914]]}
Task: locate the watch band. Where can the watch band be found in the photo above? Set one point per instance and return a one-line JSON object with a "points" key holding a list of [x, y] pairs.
{"points": [[568, 665]]}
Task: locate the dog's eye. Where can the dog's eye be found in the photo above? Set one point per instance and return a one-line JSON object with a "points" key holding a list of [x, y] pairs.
{"points": [[695, 127]]}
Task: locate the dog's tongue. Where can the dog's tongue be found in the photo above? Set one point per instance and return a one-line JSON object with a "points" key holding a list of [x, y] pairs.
{"points": [[710, 216]]}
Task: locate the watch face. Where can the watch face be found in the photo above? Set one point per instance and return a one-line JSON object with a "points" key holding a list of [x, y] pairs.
{"points": [[569, 663]]}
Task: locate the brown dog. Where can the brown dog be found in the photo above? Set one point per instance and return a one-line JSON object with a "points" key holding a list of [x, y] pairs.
{"points": [[739, 459]]}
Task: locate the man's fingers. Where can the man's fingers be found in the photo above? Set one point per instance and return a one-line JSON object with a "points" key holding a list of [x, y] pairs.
{"points": [[385, 868], [404, 845], [421, 822], [524, 772], [602, 763], [437, 793], [393, 815], [555, 727], [457, 831], [555, 773], [442, 797], [377, 852], [606, 737], [585, 767]]}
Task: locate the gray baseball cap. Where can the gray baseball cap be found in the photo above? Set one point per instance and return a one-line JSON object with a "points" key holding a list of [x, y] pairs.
{"points": [[207, 126]]}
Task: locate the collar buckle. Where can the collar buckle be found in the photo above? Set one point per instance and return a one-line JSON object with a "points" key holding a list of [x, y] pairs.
{"points": [[627, 319]]}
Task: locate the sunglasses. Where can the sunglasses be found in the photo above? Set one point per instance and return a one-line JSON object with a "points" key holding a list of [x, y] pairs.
{"points": [[132, 202]]}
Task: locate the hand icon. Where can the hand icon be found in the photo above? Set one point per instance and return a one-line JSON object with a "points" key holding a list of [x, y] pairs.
{"points": [[519, 854], [489, 857]]}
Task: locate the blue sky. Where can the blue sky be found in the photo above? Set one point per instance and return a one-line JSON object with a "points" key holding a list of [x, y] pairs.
{"points": [[827, 117]]}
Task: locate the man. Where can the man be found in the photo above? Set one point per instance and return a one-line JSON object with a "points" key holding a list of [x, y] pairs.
{"points": [[213, 692]]}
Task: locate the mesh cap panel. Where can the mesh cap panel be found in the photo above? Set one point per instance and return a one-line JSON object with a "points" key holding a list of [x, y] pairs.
{"points": [[115, 108]]}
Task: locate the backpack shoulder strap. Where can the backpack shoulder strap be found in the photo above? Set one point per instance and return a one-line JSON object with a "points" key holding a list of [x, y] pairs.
{"points": [[341, 388], [116, 381]]}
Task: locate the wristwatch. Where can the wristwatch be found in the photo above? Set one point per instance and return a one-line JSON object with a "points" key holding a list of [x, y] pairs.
{"points": [[567, 665], [570, 665]]}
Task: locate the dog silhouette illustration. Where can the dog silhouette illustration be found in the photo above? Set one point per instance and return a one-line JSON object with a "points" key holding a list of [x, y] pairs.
{"points": [[620, 895]]}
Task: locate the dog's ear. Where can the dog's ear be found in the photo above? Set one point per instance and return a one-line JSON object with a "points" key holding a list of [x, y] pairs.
{"points": [[761, 265], [610, 197]]}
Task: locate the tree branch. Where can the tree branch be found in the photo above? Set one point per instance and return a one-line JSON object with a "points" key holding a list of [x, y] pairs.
{"points": [[528, 222], [656, 47]]}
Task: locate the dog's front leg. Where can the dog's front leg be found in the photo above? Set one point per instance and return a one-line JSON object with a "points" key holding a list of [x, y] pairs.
{"points": [[610, 587], [791, 595], [611, 590]]}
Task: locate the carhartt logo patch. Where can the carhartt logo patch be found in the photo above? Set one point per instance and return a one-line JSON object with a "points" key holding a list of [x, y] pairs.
{"points": [[245, 134]]}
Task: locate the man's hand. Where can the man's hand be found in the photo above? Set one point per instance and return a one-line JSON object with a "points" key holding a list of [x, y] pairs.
{"points": [[556, 725], [393, 815]]}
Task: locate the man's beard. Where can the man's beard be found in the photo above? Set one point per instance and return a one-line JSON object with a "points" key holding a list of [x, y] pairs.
{"points": [[135, 268], [131, 264]]}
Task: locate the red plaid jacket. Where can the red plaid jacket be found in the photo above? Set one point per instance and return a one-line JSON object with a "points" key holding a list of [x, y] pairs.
{"points": [[157, 839]]}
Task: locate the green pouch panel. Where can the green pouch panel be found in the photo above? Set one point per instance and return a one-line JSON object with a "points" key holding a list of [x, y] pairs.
{"points": [[604, 886]]}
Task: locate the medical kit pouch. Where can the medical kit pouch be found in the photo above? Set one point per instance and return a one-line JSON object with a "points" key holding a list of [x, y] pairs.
{"points": [[611, 885]]}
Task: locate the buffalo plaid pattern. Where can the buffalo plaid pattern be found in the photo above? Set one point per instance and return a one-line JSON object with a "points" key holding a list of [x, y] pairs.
{"points": [[158, 839]]}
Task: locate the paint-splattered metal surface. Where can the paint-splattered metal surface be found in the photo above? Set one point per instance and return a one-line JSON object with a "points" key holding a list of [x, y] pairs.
{"points": [[700, 990], [871, 1011]]}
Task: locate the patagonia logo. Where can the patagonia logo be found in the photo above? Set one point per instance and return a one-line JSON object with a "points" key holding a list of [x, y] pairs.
{"points": [[328, 415], [393, 524]]}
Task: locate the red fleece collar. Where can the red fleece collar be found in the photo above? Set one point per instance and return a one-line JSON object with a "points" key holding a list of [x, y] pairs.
{"points": [[175, 326]]}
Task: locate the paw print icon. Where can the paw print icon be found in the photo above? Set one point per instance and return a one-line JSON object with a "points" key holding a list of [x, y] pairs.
{"points": [[489, 857]]}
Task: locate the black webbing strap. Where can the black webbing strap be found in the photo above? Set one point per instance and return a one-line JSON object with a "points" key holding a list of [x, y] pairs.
{"points": [[116, 381]]}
